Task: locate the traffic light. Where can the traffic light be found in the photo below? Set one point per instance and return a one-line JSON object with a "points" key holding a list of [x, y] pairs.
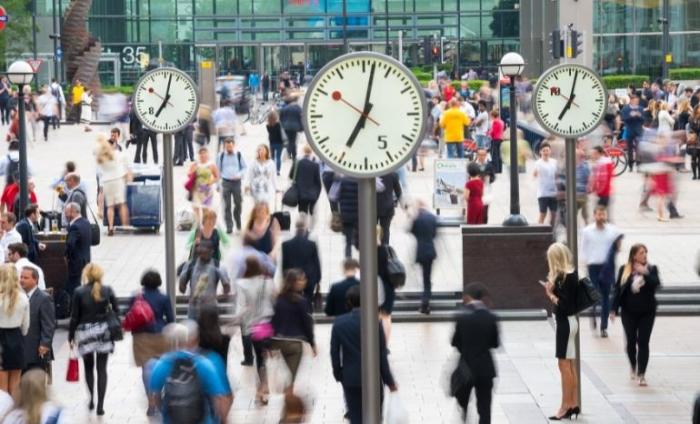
{"points": [[436, 52], [427, 53], [556, 47], [575, 46]]}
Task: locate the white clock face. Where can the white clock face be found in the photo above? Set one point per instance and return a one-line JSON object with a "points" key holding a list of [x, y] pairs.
{"points": [[364, 114], [569, 100], [165, 100]]}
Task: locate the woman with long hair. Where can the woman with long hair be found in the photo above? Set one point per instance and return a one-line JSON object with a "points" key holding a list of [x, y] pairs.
{"points": [[292, 322], [205, 176], [635, 299], [14, 325], [33, 404], [89, 332], [262, 232], [262, 177], [113, 168], [207, 232], [560, 287], [693, 142], [275, 137]]}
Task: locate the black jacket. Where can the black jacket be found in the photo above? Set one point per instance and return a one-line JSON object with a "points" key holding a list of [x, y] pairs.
{"points": [[84, 308], [274, 134], [308, 179], [42, 324], [300, 252], [26, 229], [386, 199], [78, 242], [336, 303], [293, 320], [644, 301], [290, 117], [348, 201], [424, 229], [476, 333], [346, 356]]}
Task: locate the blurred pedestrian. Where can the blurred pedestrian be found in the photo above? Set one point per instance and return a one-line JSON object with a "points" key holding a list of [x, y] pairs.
{"points": [[224, 119], [346, 357], [488, 176], [14, 326], [148, 341], [275, 137], [306, 174], [496, 135], [202, 275], [205, 176], [473, 196], [349, 210], [300, 252], [185, 384], [17, 254], [261, 180], [207, 232], [476, 333], [86, 109], [561, 289], [89, 332], [78, 243], [232, 169], [632, 117], [183, 145], [635, 301], [386, 308], [262, 232], [389, 192], [293, 323], [424, 229], [48, 107], [292, 124], [583, 176], [336, 302], [26, 229], [5, 89], [33, 403], [77, 91], [545, 172], [596, 241], [453, 122], [481, 126], [114, 175], [38, 341], [693, 142], [254, 309]]}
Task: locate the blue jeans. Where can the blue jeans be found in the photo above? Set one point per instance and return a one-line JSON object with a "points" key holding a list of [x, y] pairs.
{"points": [[276, 151], [483, 141], [455, 150], [604, 287]]}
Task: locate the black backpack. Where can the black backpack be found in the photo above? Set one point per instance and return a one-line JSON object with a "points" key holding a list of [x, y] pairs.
{"points": [[11, 171], [184, 398]]}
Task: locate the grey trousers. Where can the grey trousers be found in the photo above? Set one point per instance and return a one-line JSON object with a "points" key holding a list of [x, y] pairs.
{"points": [[229, 189]]}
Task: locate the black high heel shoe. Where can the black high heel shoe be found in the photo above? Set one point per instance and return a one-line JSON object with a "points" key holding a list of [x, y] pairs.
{"points": [[567, 414], [575, 411]]}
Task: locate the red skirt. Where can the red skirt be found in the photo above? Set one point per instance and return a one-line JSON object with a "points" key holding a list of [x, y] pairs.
{"points": [[475, 212], [661, 184]]}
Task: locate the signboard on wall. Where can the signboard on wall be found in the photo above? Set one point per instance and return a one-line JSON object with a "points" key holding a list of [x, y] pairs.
{"points": [[448, 183]]}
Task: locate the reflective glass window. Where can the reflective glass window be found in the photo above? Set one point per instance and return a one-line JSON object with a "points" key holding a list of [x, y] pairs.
{"points": [[162, 8], [500, 24], [163, 30], [352, 6], [206, 7], [470, 5], [428, 6], [470, 26], [304, 6], [267, 7], [224, 7]]}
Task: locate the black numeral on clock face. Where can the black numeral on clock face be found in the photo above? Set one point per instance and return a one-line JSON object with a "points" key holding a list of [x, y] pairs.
{"points": [[151, 110], [382, 142]]}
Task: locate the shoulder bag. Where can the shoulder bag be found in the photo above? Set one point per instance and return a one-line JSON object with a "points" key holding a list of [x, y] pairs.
{"points": [[587, 295], [94, 227], [395, 268], [114, 325], [291, 196]]}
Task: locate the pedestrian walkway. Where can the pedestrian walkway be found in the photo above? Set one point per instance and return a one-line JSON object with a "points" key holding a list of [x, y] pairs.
{"points": [[527, 390]]}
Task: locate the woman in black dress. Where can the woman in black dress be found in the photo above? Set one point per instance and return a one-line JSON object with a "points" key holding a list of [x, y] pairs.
{"points": [[14, 325], [560, 288], [90, 332], [634, 296]]}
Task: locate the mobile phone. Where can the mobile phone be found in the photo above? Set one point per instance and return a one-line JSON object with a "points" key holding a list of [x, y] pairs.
{"points": [[543, 283]]}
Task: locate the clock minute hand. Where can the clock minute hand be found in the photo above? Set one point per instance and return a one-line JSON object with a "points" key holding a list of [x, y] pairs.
{"points": [[571, 97], [360, 124]]}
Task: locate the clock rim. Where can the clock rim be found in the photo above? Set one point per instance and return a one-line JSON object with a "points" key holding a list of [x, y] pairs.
{"points": [[196, 99], [533, 102], [412, 80]]}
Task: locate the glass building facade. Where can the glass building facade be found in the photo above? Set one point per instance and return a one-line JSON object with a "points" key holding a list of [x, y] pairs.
{"points": [[272, 35]]}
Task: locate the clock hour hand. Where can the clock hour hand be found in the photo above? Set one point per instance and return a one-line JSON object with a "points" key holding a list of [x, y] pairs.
{"points": [[162, 106], [360, 124], [571, 97]]}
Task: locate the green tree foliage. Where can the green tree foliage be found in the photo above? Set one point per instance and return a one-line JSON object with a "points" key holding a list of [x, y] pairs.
{"points": [[16, 38], [506, 20]]}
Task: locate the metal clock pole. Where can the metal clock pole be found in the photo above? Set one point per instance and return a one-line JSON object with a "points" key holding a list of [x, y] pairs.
{"points": [[169, 217], [369, 308]]}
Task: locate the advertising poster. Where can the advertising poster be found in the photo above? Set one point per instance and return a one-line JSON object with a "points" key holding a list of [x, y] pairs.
{"points": [[450, 179]]}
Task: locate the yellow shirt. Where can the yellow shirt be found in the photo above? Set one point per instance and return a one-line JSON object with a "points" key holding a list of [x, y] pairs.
{"points": [[78, 91], [454, 121]]}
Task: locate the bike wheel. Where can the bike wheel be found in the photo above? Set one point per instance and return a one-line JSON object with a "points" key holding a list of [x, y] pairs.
{"points": [[620, 164]]}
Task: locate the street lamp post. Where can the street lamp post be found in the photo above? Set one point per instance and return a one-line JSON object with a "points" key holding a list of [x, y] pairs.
{"points": [[512, 65], [21, 73]]}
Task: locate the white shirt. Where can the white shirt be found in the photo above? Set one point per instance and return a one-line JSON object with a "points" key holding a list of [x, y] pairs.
{"points": [[483, 126], [596, 243], [48, 104], [113, 169], [665, 122], [546, 177], [20, 315], [10, 237], [22, 262], [468, 109]]}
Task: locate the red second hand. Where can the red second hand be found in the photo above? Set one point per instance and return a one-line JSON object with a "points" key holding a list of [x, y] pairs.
{"points": [[337, 96]]}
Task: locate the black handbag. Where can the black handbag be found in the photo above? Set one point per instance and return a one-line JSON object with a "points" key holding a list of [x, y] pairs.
{"points": [[396, 269], [94, 229], [114, 324], [291, 196], [587, 295], [461, 377]]}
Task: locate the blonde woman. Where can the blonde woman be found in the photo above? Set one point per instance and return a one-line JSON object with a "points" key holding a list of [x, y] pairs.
{"points": [[205, 176], [262, 177], [14, 324], [666, 121], [89, 332], [33, 405], [560, 288], [113, 169]]}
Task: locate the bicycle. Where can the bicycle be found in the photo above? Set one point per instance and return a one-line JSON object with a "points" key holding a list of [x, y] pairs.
{"points": [[618, 154]]}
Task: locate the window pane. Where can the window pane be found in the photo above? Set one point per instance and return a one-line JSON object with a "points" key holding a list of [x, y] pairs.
{"points": [[352, 6], [267, 7], [613, 16], [163, 31], [470, 5], [206, 7], [163, 8], [471, 26], [245, 7], [684, 15], [228, 7], [500, 24], [298, 6], [428, 6]]}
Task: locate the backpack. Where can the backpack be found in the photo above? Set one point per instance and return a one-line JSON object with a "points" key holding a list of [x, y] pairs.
{"points": [[11, 171], [395, 269], [220, 161], [56, 93], [139, 316], [183, 395]]}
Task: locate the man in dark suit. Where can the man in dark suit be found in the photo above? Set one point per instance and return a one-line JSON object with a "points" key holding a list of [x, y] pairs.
{"points": [[336, 303], [307, 175], [424, 229], [388, 192], [346, 357], [476, 333], [25, 228], [78, 243], [300, 252], [42, 321]]}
